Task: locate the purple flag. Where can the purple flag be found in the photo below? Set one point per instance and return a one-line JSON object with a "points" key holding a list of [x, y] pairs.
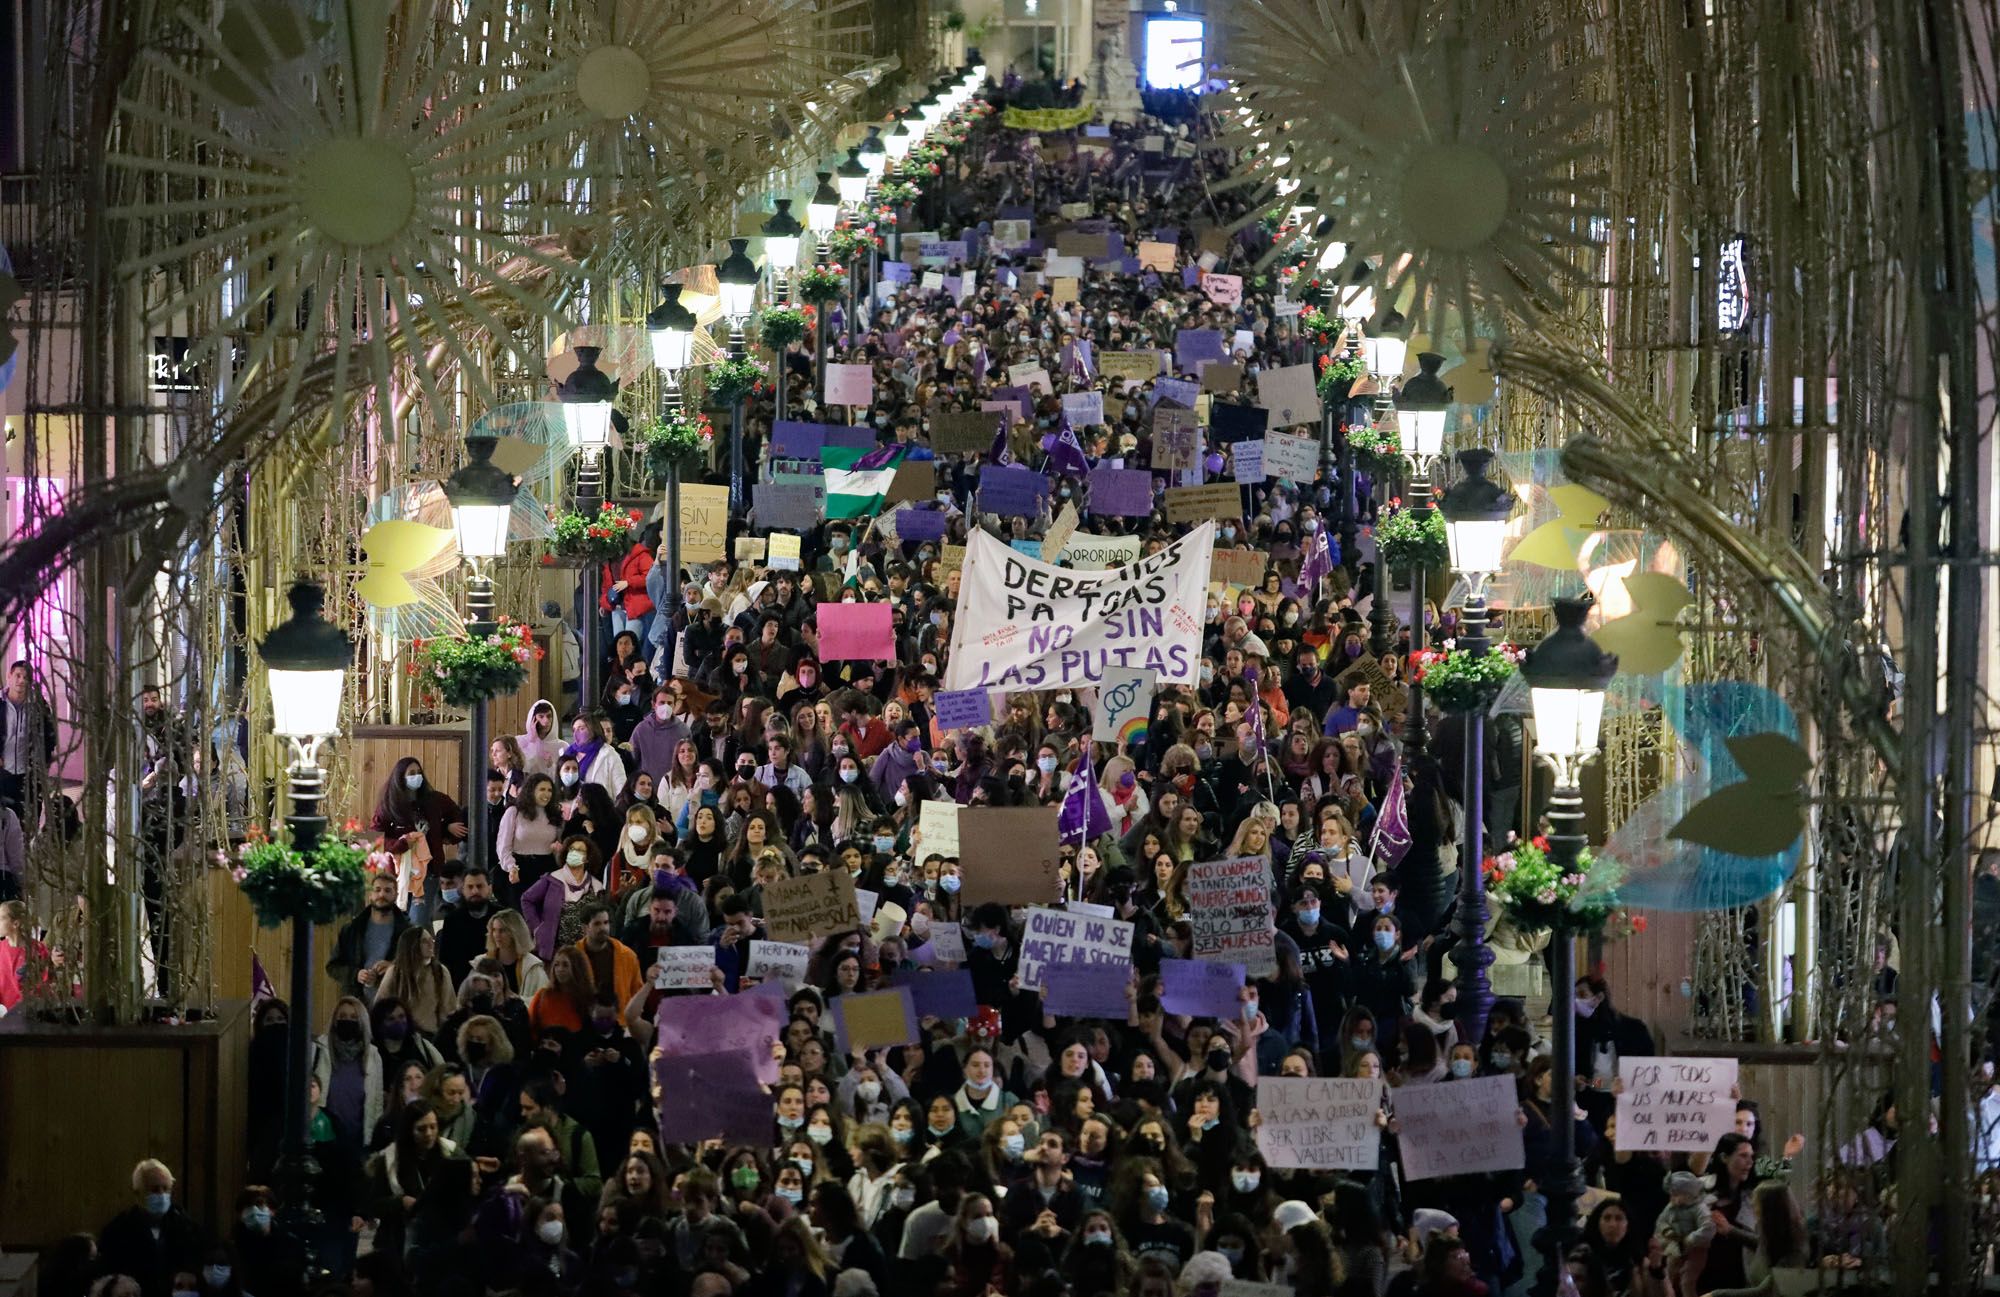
{"points": [[1392, 826], [1082, 816], [1257, 738], [1067, 456], [260, 982], [999, 454], [885, 457], [1318, 563]]}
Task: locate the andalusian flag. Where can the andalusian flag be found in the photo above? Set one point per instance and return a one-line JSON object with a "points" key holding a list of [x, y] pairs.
{"points": [[858, 481]]}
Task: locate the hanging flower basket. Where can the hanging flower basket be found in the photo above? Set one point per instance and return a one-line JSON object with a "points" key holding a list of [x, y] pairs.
{"points": [[464, 671], [780, 326], [284, 883], [676, 441], [1537, 897], [730, 381], [598, 538], [898, 193], [1407, 539], [1338, 374], [1376, 450], [1321, 329], [822, 283], [1459, 682], [847, 243]]}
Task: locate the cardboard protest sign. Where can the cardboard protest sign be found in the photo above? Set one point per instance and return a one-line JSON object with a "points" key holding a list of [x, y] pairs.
{"points": [[1124, 702], [1096, 553], [1176, 439], [1138, 366], [938, 822], [947, 943], [1063, 289], [1459, 1127], [1121, 492], [1091, 247], [1675, 1104], [1183, 392], [749, 549], [932, 282], [1217, 376], [1083, 408], [1247, 461], [1011, 491], [1062, 268], [1086, 990], [1051, 936], [1031, 376], [1319, 1123], [1024, 624], [1059, 533], [850, 384], [1157, 256], [1242, 568], [779, 961], [710, 1096], [683, 968], [962, 708], [1223, 290], [1201, 989], [1384, 691], [1011, 234], [1289, 394], [863, 632], [916, 479], [1194, 503], [784, 552], [704, 523], [1008, 854], [874, 1019], [960, 432], [951, 558], [1229, 903], [1295, 459], [810, 905]]}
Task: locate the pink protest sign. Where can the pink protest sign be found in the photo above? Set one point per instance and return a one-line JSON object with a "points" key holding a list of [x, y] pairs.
{"points": [[860, 631]]}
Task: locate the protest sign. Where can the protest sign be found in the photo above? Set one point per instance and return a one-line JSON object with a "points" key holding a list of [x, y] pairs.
{"points": [[947, 993], [1137, 366], [932, 282], [1223, 290], [1176, 439], [1319, 1123], [1459, 1127], [1091, 908], [947, 943], [1011, 491], [895, 272], [1192, 346], [1121, 492], [951, 558], [959, 432], [1032, 548], [1024, 624], [1124, 701], [1201, 989], [1193, 503], [1096, 553], [1211, 239], [749, 549], [1247, 461], [849, 436], [850, 384], [1059, 937], [872, 1019], [1086, 990], [779, 961], [1031, 376], [1242, 568], [747, 1024], [1008, 854], [920, 524], [958, 709], [1157, 256], [704, 523], [861, 632], [916, 479], [1059, 533], [784, 552], [791, 440], [865, 902], [683, 968], [1072, 211], [1083, 408], [1229, 423], [1011, 234], [1222, 378], [810, 905], [1671, 1105], [1062, 268], [1184, 392], [938, 822], [1063, 289], [1229, 904], [1206, 262], [1294, 458], [1288, 393], [710, 1096], [1090, 247]]}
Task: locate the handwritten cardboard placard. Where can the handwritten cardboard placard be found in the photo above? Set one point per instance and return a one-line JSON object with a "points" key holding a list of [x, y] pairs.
{"points": [[1229, 904], [1059, 533], [1009, 854], [916, 479], [1459, 1127], [850, 384], [1136, 366], [1293, 458], [1083, 408], [1099, 553], [1200, 503], [1012, 233], [875, 1019], [1319, 1123], [963, 432], [1063, 289], [1176, 438], [1675, 1104], [1050, 936], [779, 961], [784, 552], [749, 549], [1247, 462], [704, 523], [1219, 377], [1201, 989], [1154, 255], [856, 632], [1091, 247], [1223, 290], [1242, 568], [1289, 394], [1062, 268], [938, 822], [947, 943], [810, 905], [1031, 375], [958, 709], [683, 968]]}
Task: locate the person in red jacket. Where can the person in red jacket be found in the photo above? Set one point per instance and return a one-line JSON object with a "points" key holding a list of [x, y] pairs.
{"points": [[624, 585], [24, 961]]}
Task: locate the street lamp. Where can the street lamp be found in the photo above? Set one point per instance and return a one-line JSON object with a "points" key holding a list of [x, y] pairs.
{"points": [[898, 141], [482, 503], [1475, 519], [1567, 675], [1421, 407], [737, 276], [781, 237], [305, 660], [671, 327], [1383, 355], [874, 158], [823, 208], [851, 179], [588, 414]]}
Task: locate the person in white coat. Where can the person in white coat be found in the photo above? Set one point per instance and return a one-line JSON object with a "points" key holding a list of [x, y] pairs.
{"points": [[541, 744]]}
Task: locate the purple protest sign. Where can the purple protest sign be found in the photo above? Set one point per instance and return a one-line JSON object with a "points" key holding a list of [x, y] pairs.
{"points": [[1149, 280], [1114, 245], [793, 440], [1192, 346], [922, 524], [1011, 491], [940, 993], [1181, 391], [840, 436], [1128, 265], [746, 1024], [1201, 989], [709, 1096], [1086, 990], [896, 272], [1190, 276], [1017, 213], [1167, 234], [1024, 396], [958, 709], [1121, 492]]}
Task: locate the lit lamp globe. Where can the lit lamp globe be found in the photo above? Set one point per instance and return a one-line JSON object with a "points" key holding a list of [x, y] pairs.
{"points": [[481, 494], [851, 179], [897, 140], [305, 662], [586, 397], [737, 276], [1475, 511], [874, 158], [823, 208], [1421, 408], [932, 108], [1567, 674], [1384, 354], [781, 236], [670, 328]]}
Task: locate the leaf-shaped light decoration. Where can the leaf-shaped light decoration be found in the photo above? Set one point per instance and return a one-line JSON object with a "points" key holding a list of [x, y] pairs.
{"points": [[1763, 814], [534, 447], [1555, 543], [1648, 639], [370, 191], [398, 549]]}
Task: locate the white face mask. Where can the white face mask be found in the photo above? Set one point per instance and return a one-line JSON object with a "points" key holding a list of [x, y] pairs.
{"points": [[636, 833], [982, 1229], [569, 778], [576, 859], [550, 1232]]}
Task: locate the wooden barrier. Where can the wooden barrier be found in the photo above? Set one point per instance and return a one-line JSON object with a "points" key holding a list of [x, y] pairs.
{"points": [[80, 1106], [375, 749]]}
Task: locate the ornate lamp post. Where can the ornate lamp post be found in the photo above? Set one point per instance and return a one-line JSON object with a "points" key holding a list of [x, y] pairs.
{"points": [[1421, 407], [1567, 675], [1475, 517], [822, 214], [851, 179], [306, 660], [586, 397], [1383, 354], [738, 278], [781, 254], [482, 503], [670, 327]]}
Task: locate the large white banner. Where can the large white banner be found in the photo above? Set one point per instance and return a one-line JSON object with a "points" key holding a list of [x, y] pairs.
{"points": [[1024, 624]]}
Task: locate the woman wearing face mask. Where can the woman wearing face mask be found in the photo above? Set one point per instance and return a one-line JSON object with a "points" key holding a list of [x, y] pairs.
{"points": [[417, 979], [397, 1036], [979, 1262], [597, 760], [1142, 1205], [632, 866], [560, 895], [1235, 1239], [269, 1260], [1382, 974], [542, 741], [546, 1247], [349, 1072], [530, 831], [1096, 1260], [416, 821], [510, 944]]}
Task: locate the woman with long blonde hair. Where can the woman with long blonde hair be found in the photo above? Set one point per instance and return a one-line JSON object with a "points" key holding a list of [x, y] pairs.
{"points": [[511, 946]]}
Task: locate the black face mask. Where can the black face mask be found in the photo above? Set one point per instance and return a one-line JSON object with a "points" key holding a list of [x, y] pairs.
{"points": [[480, 1003], [347, 1030], [476, 1051]]}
